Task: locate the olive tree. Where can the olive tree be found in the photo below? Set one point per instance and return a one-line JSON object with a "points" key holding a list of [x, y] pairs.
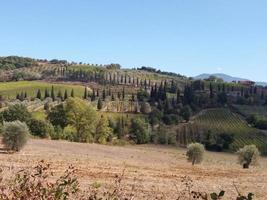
{"points": [[15, 135], [195, 153], [248, 155]]}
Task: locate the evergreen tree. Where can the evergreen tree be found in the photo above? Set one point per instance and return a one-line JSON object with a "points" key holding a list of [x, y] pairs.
{"points": [[123, 93], [99, 104], [178, 97], [25, 95], [66, 94], [104, 94], [39, 95], [53, 93], [85, 93], [211, 91], [112, 97], [72, 93], [59, 95], [93, 95], [46, 93]]}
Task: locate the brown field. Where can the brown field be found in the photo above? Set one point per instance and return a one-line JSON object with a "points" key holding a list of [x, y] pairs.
{"points": [[153, 169]]}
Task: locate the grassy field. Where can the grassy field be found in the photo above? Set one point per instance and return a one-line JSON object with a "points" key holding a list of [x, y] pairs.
{"points": [[224, 121], [9, 90], [155, 170]]}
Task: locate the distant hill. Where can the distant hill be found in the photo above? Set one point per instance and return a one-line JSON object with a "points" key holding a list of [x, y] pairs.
{"points": [[226, 78]]}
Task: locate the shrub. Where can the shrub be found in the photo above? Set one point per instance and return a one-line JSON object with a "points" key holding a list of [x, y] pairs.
{"points": [[248, 155], [170, 119], [17, 112], [195, 153], [139, 131], [57, 116], [15, 135], [40, 128], [186, 113], [145, 108]]}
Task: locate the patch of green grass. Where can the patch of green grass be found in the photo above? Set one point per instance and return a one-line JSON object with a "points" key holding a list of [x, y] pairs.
{"points": [[9, 90], [40, 115]]}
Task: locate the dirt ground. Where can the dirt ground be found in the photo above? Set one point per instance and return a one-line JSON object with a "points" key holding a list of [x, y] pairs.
{"points": [[153, 169]]}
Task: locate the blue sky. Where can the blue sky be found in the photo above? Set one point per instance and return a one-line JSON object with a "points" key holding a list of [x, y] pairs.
{"points": [[184, 36]]}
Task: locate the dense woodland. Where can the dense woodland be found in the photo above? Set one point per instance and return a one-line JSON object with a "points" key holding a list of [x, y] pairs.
{"points": [[139, 105]]}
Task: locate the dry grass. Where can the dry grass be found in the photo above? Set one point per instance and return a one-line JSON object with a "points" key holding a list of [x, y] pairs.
{"points": [[154, 169]]}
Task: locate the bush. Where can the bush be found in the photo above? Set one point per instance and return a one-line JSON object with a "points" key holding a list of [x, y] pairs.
{"points": [[40, 128], [15, 135], [170, 119], [17, 112], [248, 155], [57, 116], [186, 113], [139, 131], [195, 153]]}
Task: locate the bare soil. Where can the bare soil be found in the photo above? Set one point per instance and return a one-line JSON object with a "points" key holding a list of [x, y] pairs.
{"points": [[153, 169]]}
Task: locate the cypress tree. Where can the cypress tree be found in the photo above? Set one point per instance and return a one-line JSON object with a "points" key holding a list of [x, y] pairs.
{"points": [[18, 97], [112, 97], [46, 93], [53, 93], [66, 94], [93, 95], [59, 95], [72, 93], [25, 95], [85, 93], [123, 93], [99, 104], [39, 95], [211, 91], [104, 94]]}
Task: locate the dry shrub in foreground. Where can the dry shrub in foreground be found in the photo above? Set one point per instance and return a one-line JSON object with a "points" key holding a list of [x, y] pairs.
{"points": [[37, 184]]}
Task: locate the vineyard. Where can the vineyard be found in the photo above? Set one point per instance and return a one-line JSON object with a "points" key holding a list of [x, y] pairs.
{"points": [[222, 121], [247, 110]]}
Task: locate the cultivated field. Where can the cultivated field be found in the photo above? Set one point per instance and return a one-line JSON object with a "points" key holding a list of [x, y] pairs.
{"points": [[224, 121], [153, 169]]}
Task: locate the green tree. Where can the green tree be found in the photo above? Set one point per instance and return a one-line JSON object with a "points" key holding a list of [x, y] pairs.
{"points": [[17, 112], [139, 131], [66, 94], [248, 155], [99, 104], [39, 94], [195, 153], [46, 93], [40, 128], [53, 93], [103, 131], [85, 93], [72, 93], [15, 135], [82, 117], [186, 113], [58, 116]]}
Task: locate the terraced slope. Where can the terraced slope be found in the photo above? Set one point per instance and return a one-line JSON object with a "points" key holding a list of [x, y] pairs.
{"points": [[224, 121]]}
